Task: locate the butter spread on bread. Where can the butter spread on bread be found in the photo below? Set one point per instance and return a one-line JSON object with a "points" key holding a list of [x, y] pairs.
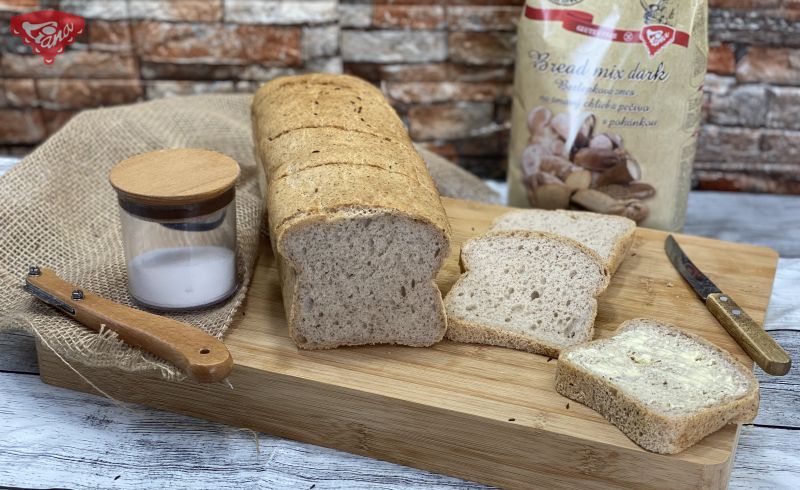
{"points": [[664, 388]]}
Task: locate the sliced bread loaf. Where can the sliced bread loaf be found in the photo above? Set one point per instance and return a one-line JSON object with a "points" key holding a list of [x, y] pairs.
{"points": [[525, 290], [664, 388], [610, 236], [355, 220]]}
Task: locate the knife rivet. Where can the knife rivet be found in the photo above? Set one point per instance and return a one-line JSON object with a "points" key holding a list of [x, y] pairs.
{"points": [[34, 271], [77, 295], [723, 298], [736, 312]]}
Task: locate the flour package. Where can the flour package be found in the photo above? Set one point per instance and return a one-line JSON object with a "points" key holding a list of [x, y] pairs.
{"points": [[607, 98]]}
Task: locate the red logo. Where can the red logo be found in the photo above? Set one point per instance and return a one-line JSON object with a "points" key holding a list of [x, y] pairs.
{"points": [[657, 37], [47, 32]]}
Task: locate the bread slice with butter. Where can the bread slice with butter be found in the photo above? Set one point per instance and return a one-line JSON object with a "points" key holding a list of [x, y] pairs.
{"points": [[525, 290], [610, 236], [664, 388]]}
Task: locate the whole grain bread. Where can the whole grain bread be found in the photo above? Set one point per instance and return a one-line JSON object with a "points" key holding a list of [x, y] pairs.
{"points": [[610, 236], [664, 388], [354, 216], [526, 290]]}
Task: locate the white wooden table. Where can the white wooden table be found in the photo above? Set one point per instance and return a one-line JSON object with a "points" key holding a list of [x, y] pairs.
{"points": [[52, 437]]}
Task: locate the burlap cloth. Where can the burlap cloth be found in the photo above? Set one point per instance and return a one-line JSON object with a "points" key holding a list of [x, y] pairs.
{"points": [[57, 210]]}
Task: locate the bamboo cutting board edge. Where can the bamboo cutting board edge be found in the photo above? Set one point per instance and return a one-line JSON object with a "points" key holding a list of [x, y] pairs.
{"points": [[476, 388]]}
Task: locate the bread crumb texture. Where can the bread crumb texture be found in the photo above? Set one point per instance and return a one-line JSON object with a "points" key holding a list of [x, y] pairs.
{"points": [[526, 290], [367, 279]]}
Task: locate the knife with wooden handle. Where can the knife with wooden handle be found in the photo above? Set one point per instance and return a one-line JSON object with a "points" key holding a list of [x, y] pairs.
{"points": [[200, 355], [758, 344]]}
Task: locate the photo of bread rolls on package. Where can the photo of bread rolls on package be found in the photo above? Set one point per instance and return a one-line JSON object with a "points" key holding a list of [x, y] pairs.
{"points": [[354, 217]]}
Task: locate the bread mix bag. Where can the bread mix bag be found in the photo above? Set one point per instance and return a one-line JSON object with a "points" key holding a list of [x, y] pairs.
{"points": [[607, 98]]}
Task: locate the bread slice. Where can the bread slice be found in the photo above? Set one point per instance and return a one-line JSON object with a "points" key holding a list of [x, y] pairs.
{"points": [[610, 236], [525, 290], [356, 223], [664, 388]]}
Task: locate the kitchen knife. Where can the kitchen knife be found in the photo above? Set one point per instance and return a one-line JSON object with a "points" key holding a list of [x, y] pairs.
{"points": [[200, 355], [748, 334]]}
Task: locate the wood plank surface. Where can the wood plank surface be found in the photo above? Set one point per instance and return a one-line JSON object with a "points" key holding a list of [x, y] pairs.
{"points": [[784, 306], [780, 395], [477, 412], [137, 447], [766, 459], [746, 218]]}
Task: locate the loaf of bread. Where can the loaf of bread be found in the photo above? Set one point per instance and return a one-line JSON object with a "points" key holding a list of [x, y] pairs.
{"points": [[525, 290], [354, 217], [664, 388]]}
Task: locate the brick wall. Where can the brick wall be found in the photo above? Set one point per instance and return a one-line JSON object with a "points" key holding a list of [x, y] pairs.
{"points": [[445, 66]]}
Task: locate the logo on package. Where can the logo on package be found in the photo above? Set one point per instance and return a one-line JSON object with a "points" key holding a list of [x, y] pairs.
{"points": [[47, 32], [657, 37], [658, 32]]}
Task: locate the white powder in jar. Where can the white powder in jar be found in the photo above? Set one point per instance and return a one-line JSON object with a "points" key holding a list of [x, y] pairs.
{"points": [[182, 277]]}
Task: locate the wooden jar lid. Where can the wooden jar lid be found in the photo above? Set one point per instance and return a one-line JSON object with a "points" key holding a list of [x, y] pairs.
{"points": [[176, 177]]}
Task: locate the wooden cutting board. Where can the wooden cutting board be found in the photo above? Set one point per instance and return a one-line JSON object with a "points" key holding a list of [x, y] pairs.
{"points": [[477, 412]]}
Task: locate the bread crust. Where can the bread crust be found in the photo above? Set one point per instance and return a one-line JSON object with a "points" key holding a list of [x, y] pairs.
{"points": [[461, 330], [307, 148], [321, 191], [332, 148], [649, 429], [324, 186], [324, 100], [619, 251]]}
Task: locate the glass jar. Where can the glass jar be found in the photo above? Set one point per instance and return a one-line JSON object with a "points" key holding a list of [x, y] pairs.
{"points": [[178, 215]]}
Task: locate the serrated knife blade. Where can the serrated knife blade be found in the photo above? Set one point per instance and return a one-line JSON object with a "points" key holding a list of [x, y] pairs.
{"points": [[757, 343], [701, 284]]}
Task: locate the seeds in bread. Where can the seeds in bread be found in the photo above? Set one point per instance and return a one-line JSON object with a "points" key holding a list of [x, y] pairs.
{"points": [[525, 290], [662, 387], [610, 236], [355, 221]]}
